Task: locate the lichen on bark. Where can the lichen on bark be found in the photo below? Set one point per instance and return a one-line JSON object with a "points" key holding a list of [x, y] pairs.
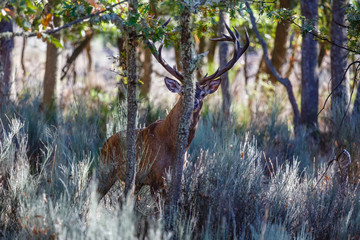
{"points": [[131, 101], [186, 48]]}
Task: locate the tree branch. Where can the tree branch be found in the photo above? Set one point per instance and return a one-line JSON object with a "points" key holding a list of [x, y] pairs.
{"points": [[327, 40], [52, 31], [284, 81]]}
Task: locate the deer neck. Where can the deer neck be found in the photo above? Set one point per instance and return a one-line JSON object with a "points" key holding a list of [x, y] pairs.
{"points": [[171, 123]]}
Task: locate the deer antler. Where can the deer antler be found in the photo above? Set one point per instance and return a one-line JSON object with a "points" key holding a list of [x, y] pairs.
{"points": [[157, 54], [237, 53]]}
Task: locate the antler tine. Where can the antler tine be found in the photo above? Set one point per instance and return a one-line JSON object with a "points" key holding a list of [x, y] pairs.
{"points": [[237, 53], [158, 57], [229, 31], [171, 70]]}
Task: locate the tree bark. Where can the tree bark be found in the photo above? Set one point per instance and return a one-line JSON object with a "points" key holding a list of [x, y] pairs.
{"points": [[202, 45], [6, 46], [146, 78], [309, 73], [186, 47], [131, 101], [281, 42], [147, 64], [356, 110], [338, 33], [122, 64], [22, 58], [52, 65], [212, 47], [223, 54], [178, 57]]}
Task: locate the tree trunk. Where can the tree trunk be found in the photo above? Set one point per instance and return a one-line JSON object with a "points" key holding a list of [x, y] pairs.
{"points": [[122, 65], [131, 101], [356, 110], [178, 57], [84, 44], [338, 34], [223, 53], [22, 58], [187, 46], [6, 46], [309, 73], [51, 66], [284, 81], [202, 45], [147, 70], [147, 64], [281, 42], [212, 47]]}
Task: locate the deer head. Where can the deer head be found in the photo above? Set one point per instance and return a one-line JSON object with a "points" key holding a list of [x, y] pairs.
{"points": [[208, 84], [159, 138]]}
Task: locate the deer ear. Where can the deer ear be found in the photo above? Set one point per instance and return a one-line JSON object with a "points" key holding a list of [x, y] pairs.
{"points": [[173, 85], [212, 86]]}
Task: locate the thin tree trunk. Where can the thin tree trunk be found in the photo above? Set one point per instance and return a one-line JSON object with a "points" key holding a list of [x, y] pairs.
{"points": [[246, 74], [122, 64], [51, 66], [322, 53], [212, 48], [326, 20], [88, 54], [338, 34], [178, 57], [147, 64], [309, 73], [131, 101], [281, 42], [356, 110], [147, 70], [184, 124], [84, 44], [6, 46], [22, 59], [284, 81], [202, 45], [223, 53]]}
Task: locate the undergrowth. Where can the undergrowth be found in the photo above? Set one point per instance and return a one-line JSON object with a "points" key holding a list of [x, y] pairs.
{"points": [[241, 181]]}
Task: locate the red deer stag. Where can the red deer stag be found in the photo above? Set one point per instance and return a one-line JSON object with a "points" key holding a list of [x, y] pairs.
{"points": [[156, 143]]}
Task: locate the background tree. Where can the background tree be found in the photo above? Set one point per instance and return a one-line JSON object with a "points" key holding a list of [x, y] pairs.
{"points": [[132, 79], [147, 62], [223, 53], [309, 72], [339, 80], [6, 46], [186, 47], [284, 81], [52, 65], [281, 41]]}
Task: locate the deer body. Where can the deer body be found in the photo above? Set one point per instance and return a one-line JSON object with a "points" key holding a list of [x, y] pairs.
{"points": [[155, 152], [156, 144]]}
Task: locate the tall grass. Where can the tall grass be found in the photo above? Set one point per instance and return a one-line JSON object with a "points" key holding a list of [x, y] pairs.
{"points": [[253, 181]]}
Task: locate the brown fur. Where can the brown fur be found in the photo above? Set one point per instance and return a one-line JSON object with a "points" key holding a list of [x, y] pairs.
{"points": [[156, 146]]}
